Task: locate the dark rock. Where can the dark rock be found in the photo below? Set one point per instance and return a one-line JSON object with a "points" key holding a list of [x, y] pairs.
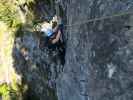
{"points": [[99, 52], [38, 67], [98, 55]]}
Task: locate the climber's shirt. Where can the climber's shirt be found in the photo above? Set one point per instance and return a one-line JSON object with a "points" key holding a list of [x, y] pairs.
{"points": [[47, 29], [47, 32]]}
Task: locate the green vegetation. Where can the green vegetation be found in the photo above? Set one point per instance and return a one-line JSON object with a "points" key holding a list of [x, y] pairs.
{"points": [[8, 13], [10, 21], [12, 92], [5, 91]]}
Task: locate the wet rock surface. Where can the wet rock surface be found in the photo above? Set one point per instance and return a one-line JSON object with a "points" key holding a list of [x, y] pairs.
{"points": [[98, 54]]}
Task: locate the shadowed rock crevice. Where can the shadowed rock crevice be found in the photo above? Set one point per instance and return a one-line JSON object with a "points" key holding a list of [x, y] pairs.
{"points": [[38, 66]]}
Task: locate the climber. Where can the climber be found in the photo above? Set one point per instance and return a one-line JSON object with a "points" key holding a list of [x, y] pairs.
{"points": [[52, 30]]}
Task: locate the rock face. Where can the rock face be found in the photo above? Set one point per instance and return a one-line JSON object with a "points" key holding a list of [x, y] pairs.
{"points": [[38, 66], [99, 56]]}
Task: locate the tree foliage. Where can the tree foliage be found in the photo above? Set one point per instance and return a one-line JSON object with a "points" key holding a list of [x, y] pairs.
{"points": [[9, 11]]}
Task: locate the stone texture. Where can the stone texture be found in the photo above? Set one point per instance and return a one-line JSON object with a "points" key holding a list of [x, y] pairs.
{"points": [[39, 67], [98, 54], [98, 59]]}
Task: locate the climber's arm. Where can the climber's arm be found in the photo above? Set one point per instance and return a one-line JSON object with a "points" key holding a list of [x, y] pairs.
{"points": [[57, 37]]}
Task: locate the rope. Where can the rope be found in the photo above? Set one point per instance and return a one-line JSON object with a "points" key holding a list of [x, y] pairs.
{"points": [[90, 20], [100, 18]]}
